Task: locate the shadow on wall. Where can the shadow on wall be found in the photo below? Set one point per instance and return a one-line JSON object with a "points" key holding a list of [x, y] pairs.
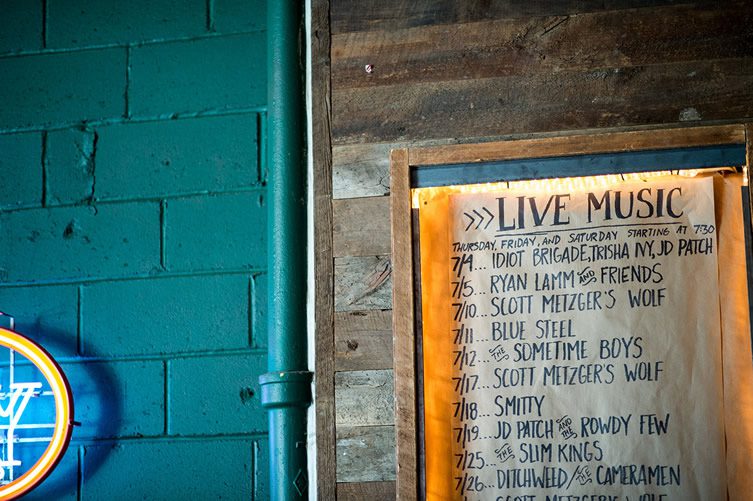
{"points": [[97, 405]]}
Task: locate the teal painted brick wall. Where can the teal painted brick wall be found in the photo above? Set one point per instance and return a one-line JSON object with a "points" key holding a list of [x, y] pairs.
{"points": [[139, 160], [24, 189], [69, 166], [81, 23], [209, 74], [239, 15], [132, 235], [198, 313], [48, 89], [22, 26]]}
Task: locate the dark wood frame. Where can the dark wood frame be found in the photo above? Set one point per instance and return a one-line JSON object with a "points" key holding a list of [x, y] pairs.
{"points": [[324, 268], [402, 160]]}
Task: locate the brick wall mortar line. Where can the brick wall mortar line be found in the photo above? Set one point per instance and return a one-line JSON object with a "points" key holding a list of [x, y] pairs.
{"points": [[211, 16], [128, 83], [232, 352], [261, 141], [79, 321], [168, 438], [256, 470], [45, 186], [137, 44], [142, 119], [44, 24], [144, 276], [157, 198], [163, 234], [251, 311], [81, 452], [167, 396]]}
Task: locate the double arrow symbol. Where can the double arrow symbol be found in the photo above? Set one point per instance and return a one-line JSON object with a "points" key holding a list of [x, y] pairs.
{"points": [[480, 217]]}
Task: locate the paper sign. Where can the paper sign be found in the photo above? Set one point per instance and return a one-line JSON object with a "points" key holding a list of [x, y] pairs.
{"points": [[586, 346]]}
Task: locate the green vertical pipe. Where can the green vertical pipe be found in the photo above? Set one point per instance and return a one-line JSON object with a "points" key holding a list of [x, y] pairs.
{"points": [[286, 388]]}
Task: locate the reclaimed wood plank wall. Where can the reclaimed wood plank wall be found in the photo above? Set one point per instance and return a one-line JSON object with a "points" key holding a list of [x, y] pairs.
{"points": [[449, 71]]}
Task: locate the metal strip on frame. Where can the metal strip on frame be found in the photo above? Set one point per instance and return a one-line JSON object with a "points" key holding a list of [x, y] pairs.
{"points": [[578, 165]]}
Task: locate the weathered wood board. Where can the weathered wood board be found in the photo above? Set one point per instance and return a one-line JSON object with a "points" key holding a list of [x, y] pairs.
{"points": [[365, 453], [538, 45], [499, 74], [361, 226], [604, 97], [363, 340], [373, 15], [363, 283], [447, 72], [364, 398], [366, 491]]}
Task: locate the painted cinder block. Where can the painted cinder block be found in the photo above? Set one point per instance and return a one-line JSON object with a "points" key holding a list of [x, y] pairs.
{"points": [[70, 165], [20, 170], [216, 73], [178, 156], [117, 398], [62, 87], [261, 468], [76, 23], [170, 470], [62, 484], [165, 315], [112, 240], [46, 314], [216, 232], [259, 310], [239, 15], [216, 394], [21, 26]]}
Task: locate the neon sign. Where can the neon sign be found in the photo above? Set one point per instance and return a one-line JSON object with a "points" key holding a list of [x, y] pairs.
{"points": [[36, 414]]}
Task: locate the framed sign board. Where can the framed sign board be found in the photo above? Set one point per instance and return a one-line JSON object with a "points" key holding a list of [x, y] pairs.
{"points": [[571, 317]]}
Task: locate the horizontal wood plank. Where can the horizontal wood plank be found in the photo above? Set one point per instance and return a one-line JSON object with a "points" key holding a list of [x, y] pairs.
{"points": [[364, 398], [365, 453], [660, 94], [580, 144], [365, 15], [361, 170], [451, 150], [361, 226], [363, 283], [363, 340], [536, 45], [366, 491]]}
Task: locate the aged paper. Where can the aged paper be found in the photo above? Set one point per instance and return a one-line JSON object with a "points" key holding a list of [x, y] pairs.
{"points": [[583, 333], [736, 336]]}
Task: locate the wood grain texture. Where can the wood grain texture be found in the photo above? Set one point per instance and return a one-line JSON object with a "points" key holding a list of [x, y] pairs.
{"points": [[536, 45], [321, 151], [366, 491], [372, 15], [403, 326], [361, 226], [579, 144], [466, 71], [611, 97], [363, 340], [361, 170], [366, 176], [364, 398], [365, 453], [363, 283]]}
